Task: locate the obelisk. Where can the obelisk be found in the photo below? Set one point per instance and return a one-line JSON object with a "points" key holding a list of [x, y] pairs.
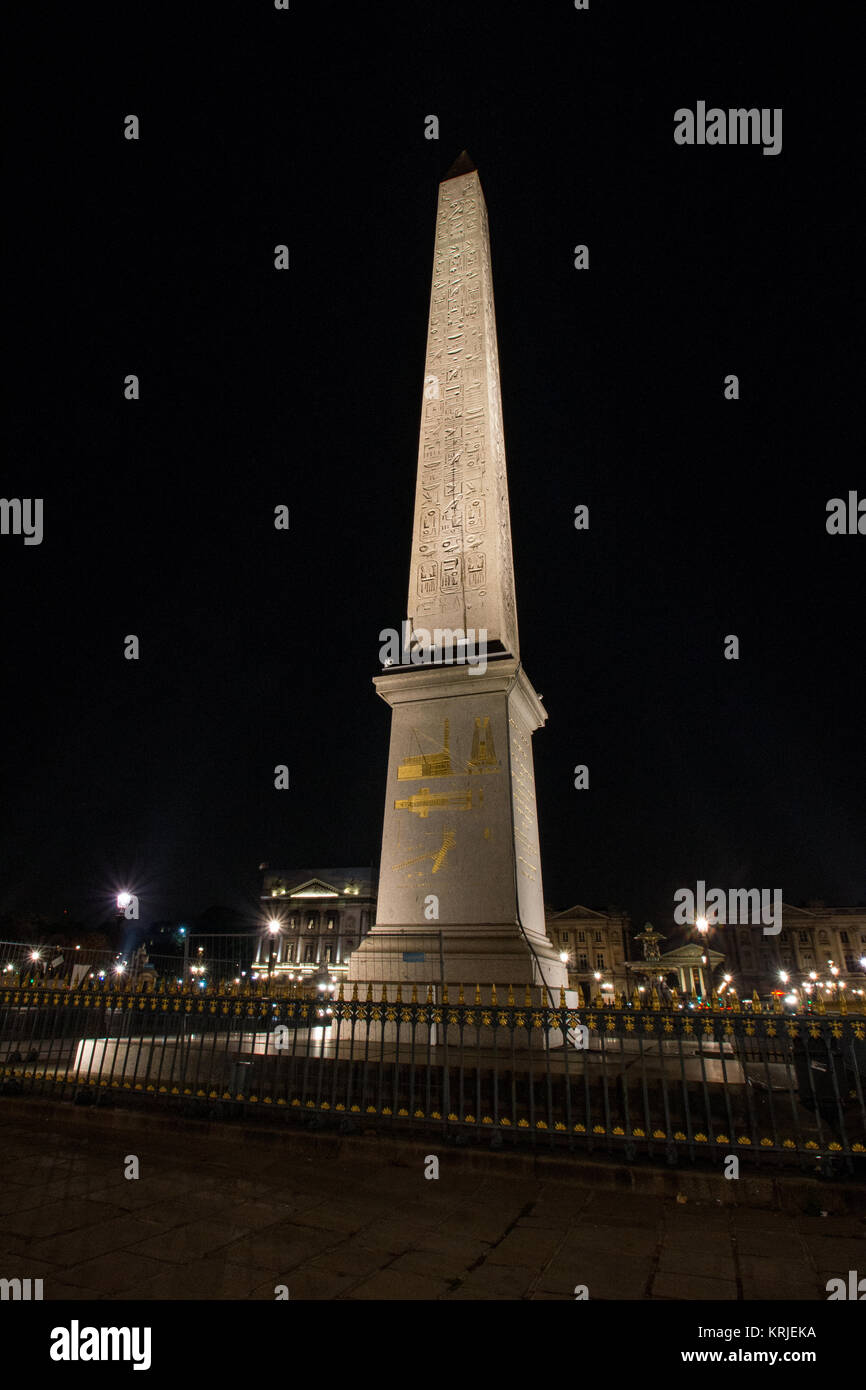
{"points": [[460, 895]]}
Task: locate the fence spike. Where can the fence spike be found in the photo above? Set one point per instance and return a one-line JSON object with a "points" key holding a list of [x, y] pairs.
{"points": [[444, 994], [655, 999], [635, 998], [527, 998], [756, 1003], [511, 994], [399, 993], [460, 997], [492, 994], [843, 1002], [562, 996], [716, 1001], [429, 994], [370, 993], [477, 994], [355, 992], [414, 994], [384, 998], [340, 995]]}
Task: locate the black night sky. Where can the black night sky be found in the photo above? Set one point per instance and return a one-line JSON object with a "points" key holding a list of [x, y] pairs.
{"points": [[304, 387]]}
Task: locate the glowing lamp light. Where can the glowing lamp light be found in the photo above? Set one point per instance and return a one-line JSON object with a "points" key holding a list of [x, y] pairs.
{"points": [[702, 924], [123, 900], [273, 926]]}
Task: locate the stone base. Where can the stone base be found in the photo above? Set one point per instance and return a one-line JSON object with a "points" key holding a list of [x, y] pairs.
{"points": [[497, 955]]}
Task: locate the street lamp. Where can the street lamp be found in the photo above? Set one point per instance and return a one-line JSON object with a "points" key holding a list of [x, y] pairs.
{"points": [[274, 929]]}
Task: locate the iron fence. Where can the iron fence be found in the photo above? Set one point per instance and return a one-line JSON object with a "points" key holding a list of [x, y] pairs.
{"points": [[623, 1079]]}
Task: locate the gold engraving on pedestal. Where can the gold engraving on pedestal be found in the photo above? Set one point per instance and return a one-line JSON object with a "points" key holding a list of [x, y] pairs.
{"points": [[483, 757], [423, 801], [421, 764], [449, 840]]}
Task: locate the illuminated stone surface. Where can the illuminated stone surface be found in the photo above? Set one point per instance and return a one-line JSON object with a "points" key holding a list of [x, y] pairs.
{"points": [[460, 893]]}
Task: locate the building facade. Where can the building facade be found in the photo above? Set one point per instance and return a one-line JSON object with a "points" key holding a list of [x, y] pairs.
{"points": [[595, 947], [314, 920], [818, 949]]}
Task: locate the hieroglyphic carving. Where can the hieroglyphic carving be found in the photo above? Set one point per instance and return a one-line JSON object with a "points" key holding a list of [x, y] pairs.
{"points": [[461, 504]]}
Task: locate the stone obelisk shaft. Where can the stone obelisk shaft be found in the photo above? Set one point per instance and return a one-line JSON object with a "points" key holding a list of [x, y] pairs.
{"points": [[461, 571]]}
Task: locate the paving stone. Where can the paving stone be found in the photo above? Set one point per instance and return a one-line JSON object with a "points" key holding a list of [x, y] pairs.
{"points": [[186, 1243], [206, 1278], [775, 1244], [496, 1281], [350, 1259], [524, 1246], [430, 1263], [55, 1217], [464, 1250], [482, 1223], [393, 1286], [678, 1259], [308, 1283], [625, 1209], [606, 1275], [117, 1273], [19, 1197], [57, 1292], [834, 1253], [280, 1247], [767, 1278], [87, 1242], [688, 1238], [332, 1216], [391, 1237], [692, 1286], [27, 1266], [848, 1227], [585, 1239]]}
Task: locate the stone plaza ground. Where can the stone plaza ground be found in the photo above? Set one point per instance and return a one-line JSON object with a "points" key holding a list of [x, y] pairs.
{"points": [[226, 1212]]}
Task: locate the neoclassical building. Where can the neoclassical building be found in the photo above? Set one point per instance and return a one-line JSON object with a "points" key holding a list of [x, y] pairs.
{"points": [[817, 945], [596, 945], [319, 917]]}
